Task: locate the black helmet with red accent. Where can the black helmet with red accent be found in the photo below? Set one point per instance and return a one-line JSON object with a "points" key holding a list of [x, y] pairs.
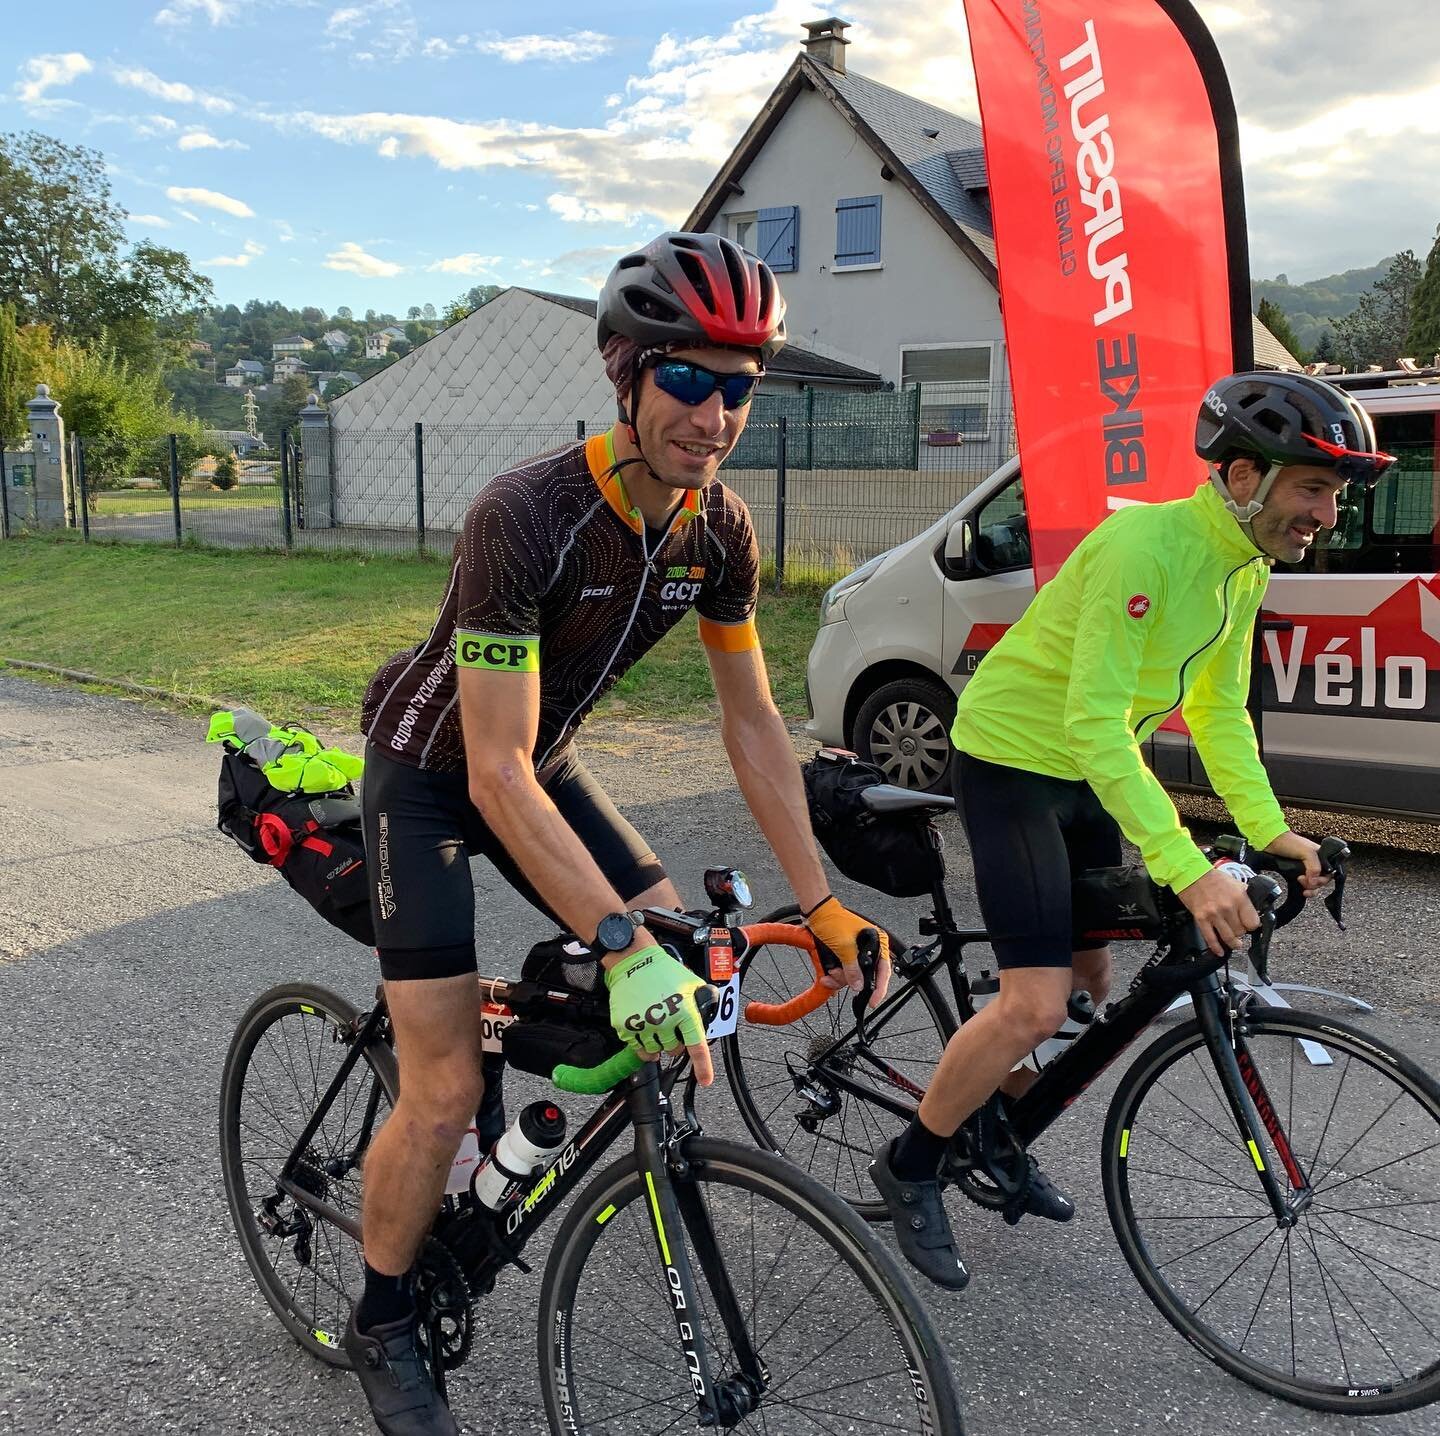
{"points": [[693, 289], [1280, 419]]}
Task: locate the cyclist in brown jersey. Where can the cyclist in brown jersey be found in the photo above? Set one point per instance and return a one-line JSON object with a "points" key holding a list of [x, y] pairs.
{"points": [[568, 568]]}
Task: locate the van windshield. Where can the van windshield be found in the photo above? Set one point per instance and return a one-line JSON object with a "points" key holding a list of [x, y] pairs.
{"points": [[1396, 527]]}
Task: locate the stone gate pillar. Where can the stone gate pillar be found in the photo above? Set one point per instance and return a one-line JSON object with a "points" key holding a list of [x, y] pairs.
{"points": [[52, 474], [317, 478]]}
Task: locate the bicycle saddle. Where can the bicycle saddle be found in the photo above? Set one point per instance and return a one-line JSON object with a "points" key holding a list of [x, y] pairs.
{"points": [[887, 798]]}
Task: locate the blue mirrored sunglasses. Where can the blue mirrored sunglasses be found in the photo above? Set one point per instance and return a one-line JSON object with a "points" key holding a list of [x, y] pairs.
{"points": [[694, 384]]}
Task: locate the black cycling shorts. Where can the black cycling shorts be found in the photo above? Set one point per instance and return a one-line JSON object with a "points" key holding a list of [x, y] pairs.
{"points": [[421, 829], [1030, 836]]}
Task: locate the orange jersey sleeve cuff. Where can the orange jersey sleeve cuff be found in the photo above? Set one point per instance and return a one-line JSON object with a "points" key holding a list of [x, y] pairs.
{"points": [[729, 637]]}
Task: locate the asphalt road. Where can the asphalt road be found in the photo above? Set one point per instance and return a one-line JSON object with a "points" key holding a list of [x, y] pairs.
{"points": [[132, 937]]}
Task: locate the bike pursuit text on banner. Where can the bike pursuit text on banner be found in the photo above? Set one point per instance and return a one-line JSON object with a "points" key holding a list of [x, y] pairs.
{"points": [[1115, 190]]}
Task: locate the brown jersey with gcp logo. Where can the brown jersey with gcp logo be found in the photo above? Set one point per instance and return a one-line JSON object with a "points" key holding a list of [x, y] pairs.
{"points": [[555, 574]]}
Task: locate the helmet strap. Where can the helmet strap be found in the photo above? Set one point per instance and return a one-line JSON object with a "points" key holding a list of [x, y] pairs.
{"points": [[1245, 513]]}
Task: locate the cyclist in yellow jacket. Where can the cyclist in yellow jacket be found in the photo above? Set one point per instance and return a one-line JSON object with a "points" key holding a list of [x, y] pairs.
{"points": [[1152, 612]]}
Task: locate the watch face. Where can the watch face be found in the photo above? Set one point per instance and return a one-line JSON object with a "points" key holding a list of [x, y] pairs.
{"points": [[615, 933]]}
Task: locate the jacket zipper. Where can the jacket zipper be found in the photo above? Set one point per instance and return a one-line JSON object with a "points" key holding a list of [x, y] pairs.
{"points": [[1214, 637]]}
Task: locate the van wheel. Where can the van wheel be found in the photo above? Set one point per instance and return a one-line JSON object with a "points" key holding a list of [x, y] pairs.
{"points": [[904, 728]]}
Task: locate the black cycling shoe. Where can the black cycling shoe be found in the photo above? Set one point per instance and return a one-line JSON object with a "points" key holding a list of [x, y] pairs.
{"points": [[1044, 1199], [921, 1226], [396, 1380]]}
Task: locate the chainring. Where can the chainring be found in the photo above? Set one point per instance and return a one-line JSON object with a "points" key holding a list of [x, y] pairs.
{"points": [[442, 1290]]}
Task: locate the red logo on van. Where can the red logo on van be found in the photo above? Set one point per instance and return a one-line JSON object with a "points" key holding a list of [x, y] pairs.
{"points": [[1138, 606]]}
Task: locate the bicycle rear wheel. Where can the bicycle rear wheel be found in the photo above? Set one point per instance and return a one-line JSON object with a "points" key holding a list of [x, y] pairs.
{"points": [[282, 1059], [787, 1080], [1339, 1312], [845, 1341]]}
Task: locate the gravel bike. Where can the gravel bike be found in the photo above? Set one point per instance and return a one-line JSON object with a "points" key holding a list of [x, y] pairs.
{"points": [[1272, 1176], [692, 1283]]}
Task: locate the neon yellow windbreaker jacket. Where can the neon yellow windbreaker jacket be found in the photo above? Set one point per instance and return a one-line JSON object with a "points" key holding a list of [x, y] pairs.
{"points": [[1153, 611]]}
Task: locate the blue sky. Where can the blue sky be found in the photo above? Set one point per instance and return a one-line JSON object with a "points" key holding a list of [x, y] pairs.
{"points": [[384, 153]]}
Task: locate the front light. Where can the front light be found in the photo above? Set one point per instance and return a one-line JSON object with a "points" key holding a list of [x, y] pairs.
{"points": [[832, 606]]}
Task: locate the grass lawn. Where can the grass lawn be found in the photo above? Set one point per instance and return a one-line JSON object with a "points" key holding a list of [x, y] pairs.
{"points": [[157, 501], [298, 636]]}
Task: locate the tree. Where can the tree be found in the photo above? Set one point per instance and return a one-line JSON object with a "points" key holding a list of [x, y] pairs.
{"points": [[12, 393], [337, 387], [280, 409], [413, 313], [1375, 331], [1324, 351], [147, 306], [428, 314], [1275, 320], [1423, 340], [345, 312], [58, 225], [227, 471], [470, 301], [400, 347]]}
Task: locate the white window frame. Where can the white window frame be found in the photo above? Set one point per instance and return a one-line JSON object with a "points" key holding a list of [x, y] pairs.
{"points": [[996, 348], [733, 223]]}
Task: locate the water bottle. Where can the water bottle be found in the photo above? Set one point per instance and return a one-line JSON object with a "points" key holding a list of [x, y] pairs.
{"points": [[529, 1142], [485, 1131], [1079, 1014], [984, 988]]}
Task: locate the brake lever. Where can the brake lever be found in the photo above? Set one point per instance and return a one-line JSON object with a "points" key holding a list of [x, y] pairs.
{"points": [[1265, 893], [1333, 856], [867, 955]]}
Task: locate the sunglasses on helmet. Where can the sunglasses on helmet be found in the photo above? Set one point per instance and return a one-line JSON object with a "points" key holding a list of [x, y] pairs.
{"points": [[1355, 466], [694, 384]]}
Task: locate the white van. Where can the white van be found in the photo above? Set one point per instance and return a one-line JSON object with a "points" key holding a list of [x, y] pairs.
{"points": [[1351, 636]]}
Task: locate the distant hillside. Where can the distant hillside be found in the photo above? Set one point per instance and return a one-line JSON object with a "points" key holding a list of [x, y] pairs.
{"points": [[1309, 306]]}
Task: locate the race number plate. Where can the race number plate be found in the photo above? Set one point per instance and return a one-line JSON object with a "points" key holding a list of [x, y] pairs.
{"points": [[727, 1012], [494, 1019]]}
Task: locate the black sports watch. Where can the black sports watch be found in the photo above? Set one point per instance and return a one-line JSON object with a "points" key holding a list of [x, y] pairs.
{"points": [[615, 933]]}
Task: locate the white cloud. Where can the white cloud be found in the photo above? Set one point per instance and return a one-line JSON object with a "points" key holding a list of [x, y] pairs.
{"points": [[154, 221], [237, 261], [210, 199], [576, 211], [186, 214], [284, 229], [45, 72], [181, 12], [351, 259], [575, 48], [471, 264], [204, 140], [389, 28], [177, 92]]}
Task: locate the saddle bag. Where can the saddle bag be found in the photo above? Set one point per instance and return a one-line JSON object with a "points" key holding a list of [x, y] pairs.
{"points": [[897, 853], [313, 840]]}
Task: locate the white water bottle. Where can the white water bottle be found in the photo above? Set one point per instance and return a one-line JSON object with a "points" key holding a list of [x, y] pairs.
{"points": [[527, 1143], [1080, 1013]]}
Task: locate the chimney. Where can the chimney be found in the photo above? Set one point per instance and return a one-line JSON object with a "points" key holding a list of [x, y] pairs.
{"points": [[826, 42]]}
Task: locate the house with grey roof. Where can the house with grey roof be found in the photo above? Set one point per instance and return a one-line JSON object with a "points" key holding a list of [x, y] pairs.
{"points": [[873, 207], [291, 344], [337, 341], [245, 371]]}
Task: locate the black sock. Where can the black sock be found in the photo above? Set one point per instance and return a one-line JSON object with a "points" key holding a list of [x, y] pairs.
{"points": [[917, 1153], [386, 1299]]}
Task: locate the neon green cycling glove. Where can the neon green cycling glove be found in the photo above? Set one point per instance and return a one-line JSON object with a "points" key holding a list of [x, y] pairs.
{"points": [[652, 1001]]}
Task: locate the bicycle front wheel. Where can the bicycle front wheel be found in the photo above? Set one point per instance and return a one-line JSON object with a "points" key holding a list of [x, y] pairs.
{"points": [[815, 1093], [282, 1060], [1339, 1311], [845, 1342]]}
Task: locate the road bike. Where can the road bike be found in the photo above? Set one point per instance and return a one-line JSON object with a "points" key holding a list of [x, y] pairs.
{"points": [[692, 1283], [1272, 1175]]}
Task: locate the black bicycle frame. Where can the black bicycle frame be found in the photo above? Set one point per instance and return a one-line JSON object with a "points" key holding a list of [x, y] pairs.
{"points": [[489, 1240]]}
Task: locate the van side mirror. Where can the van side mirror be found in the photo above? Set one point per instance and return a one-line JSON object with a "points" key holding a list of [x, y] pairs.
{"points": [[957, 558]]}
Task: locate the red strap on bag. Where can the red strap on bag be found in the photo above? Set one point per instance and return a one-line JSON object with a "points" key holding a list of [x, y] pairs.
{"points": [[274, 836]]}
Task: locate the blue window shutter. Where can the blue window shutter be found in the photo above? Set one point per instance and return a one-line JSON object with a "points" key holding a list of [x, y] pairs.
{"points": [[777, 239], [857, 230]]}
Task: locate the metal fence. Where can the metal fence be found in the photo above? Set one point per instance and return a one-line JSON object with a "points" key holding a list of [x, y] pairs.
{"points": [[830, 480]]}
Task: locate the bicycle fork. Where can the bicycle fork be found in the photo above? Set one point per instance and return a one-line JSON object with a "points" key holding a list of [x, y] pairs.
{"points": [[1256, 1117], [677, 1211]]}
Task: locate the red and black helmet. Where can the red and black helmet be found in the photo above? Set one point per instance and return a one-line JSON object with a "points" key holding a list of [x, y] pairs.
{"points": [[694, 289]]}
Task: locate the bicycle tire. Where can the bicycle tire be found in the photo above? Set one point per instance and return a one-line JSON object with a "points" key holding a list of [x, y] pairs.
{"points": [[913, 1051], [600, 1307], [256, 1118], [1365, 1126]]}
